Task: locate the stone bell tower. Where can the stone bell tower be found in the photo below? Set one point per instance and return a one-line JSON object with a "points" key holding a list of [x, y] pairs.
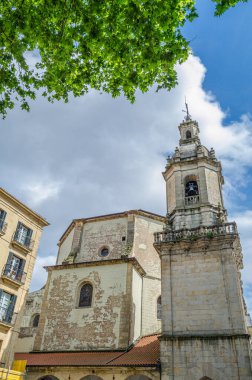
{"points": [[204, 334]]}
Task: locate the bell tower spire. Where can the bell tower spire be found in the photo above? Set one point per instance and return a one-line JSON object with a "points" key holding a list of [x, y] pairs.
{"points": [[204, 333], [194, 180]]}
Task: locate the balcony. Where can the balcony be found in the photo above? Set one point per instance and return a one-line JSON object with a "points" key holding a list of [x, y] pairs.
{"points": [[13, 277], [192, 200], [3, 227], [195, 233], [26, 245]]}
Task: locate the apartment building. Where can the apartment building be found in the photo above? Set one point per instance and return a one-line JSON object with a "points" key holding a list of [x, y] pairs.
{"points": [[20, 232]]}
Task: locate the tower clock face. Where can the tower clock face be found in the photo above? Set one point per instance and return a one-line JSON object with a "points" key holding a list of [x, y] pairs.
{"points": [[191, 189]]}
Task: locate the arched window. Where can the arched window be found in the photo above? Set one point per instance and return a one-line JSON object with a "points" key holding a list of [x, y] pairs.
{"points": [[205, 378], [104, 252], [91, 377], [191, 188], [86, 293], [48, 377], [188, 135], [159, 308], [35, 320]]}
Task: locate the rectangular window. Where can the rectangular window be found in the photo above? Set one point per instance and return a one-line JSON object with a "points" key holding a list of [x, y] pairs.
{"points": [[23, 234], [2, 219], [7, 305], [14, 268]]}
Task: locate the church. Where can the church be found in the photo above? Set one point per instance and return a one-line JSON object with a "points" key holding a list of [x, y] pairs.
{"points": [[139, 296]]}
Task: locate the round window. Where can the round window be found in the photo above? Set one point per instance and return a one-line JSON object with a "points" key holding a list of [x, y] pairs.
{"points": [[104, 252]]}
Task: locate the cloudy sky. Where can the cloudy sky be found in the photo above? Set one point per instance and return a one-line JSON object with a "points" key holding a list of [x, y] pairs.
{"points": [[99, 155]]}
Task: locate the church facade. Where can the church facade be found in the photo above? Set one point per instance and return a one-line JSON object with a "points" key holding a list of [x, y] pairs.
{"points": [[138, 296]]}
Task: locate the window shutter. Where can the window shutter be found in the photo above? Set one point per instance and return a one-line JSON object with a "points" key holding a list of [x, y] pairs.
{"points": [[17, 230], [28, 237], [1, 291], [20, 269], [2, 215], [10, 309], [2, 218], [8, 264]]}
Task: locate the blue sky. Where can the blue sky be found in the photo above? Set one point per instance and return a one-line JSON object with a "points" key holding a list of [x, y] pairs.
{"points": [[99, 155], [224, 47]]}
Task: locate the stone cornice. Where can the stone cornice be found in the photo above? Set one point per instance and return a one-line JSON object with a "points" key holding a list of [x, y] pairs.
{"points": [[131, 260], [204, 336]]}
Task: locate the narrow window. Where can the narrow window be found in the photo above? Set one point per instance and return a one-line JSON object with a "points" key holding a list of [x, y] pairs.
{"points": [[86, 293], [188, 135], [159, 308], [35, 320]]}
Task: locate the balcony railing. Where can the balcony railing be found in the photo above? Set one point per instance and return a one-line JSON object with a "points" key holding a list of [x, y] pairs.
{"points": [[27, 244], [13, 275], [3, 227], [192, 200], [195, 233]]}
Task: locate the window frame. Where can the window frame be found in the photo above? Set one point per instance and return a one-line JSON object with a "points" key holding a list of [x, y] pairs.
{"points": [[8, 267], [103, 248], [83, 283], [10, 308], [18, 237]]}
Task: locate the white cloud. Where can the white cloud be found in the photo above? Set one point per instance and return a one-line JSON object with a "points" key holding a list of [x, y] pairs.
{"points": [[99, 155], [37, 192]]}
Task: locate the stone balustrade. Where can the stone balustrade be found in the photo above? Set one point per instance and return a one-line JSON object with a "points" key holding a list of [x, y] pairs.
{"points": [[194, 233]]}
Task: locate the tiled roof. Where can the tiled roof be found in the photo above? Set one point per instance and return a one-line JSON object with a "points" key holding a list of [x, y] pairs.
{"points": [[144, 354]]}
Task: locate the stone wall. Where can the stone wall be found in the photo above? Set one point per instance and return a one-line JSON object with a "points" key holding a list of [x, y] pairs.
{"points": [[201, 291], [104, 325], [216, 359], [27, 333]]}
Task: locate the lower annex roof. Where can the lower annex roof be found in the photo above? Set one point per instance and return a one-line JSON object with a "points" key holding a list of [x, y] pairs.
{"points": [[145, 353]]}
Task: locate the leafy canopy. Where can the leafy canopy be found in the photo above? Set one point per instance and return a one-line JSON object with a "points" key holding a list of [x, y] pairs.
{"points": [[69, 46]]}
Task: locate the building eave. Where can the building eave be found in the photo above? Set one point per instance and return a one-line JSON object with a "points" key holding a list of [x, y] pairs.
{"points": [[38, 218]]}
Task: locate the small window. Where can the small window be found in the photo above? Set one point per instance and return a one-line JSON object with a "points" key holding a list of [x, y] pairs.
{"points": [[35, 320], [104, 252], [159, 308], [123, 238], [188, 135], [86, 293]]}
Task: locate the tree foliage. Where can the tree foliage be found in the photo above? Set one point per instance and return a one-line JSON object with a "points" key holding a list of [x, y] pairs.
{"points": [[69, 46]]}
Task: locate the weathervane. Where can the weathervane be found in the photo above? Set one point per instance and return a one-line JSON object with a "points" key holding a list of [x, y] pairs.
{"points": [[188, 116]]}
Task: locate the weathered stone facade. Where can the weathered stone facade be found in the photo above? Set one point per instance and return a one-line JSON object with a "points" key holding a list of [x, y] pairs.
{"points": [[126, 284]]}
